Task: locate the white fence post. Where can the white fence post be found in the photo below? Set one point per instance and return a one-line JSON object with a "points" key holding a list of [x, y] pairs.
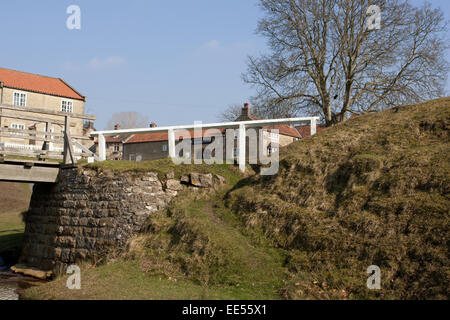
{"points": [[313, 126], [242, 147], [101, 147], [171, 137]]}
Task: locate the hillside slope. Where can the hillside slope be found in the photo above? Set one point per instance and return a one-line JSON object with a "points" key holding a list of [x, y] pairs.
{"points": [[371, 191]]}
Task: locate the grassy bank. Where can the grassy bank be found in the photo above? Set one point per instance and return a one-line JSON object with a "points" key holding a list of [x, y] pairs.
{"points": [[371, 191], [14, 199]]}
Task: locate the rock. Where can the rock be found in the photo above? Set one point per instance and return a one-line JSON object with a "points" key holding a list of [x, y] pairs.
{"points": [[201, 180], [33, 272], [219, 179], [174, 185], [170, 175], [184, 179]]}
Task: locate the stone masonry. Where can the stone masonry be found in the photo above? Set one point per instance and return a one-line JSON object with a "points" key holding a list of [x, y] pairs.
{"points": [[88, 213]]}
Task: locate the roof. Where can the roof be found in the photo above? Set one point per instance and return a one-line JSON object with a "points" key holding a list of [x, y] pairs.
{"points": [[305, 131], [114, 139], [161, 136], [285, 130], [37, 83]]}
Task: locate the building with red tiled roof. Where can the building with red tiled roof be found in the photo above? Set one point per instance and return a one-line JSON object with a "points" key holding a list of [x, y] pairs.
{"points": [[28, 90], [114, 145], [31, 82], [154, 145], [287, 134]]}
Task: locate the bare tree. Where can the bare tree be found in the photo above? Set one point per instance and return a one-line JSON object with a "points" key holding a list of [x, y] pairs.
{"points": [[128, 120], [325, 61], [231, 113]]}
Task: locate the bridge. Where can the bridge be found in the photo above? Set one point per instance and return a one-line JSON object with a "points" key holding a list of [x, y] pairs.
{"points": [[240, 126], [38, 164], [31, 162]]}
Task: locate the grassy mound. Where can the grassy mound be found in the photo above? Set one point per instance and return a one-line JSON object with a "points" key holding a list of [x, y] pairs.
{"points": [[371, 191]]}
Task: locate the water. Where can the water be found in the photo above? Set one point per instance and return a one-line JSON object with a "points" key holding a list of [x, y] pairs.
{"points": [[8, 286], [11, 284]]}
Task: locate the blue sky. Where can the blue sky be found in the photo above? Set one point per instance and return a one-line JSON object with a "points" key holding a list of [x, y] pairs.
{"points": [[173, 61]]}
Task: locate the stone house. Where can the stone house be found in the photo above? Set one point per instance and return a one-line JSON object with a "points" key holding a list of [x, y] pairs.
{"points": [[154, 145], [114, 145], [27, 90]]}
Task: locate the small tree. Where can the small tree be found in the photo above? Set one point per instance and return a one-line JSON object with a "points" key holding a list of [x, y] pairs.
{"points": [[325, 61], [128, 120]]}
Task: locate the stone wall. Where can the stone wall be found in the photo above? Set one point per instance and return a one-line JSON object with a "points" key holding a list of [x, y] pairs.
{"points": [[87, 213]]}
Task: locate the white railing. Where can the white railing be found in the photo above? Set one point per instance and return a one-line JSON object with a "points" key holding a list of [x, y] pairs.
{"points": [[240, 125]]}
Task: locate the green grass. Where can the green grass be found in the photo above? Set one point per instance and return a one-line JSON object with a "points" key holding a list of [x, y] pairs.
{"points": [[14, 200], [11, 234], [164, 166], [188, 252], [124, 280]]}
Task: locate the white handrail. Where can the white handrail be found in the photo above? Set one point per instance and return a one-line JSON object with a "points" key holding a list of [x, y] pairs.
{"points": [[225, 125], [241, 125]]}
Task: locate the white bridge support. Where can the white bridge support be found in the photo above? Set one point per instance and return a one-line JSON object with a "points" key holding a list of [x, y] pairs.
{"points": [[242, 126], [101, 147], [242, 149], [171, 137]]}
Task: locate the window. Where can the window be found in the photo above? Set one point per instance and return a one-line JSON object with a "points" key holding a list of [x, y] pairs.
{"points": [[164, 148], [116, 147], [66, 106], [132, 157], [20, 99], [18, 126]]}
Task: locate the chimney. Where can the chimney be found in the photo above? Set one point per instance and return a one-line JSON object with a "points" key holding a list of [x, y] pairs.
{"points": [[246, 110], [117, 127], [153, 125]]}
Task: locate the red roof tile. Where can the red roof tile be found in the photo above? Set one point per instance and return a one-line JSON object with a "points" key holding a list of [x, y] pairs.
{"points": [[159, 136], [37, 83], [163, 136], [113, 139], [285, 130], [305, 131]]}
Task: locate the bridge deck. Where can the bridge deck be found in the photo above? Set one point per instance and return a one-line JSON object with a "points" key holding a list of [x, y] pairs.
{"points": [[28, 171]]}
